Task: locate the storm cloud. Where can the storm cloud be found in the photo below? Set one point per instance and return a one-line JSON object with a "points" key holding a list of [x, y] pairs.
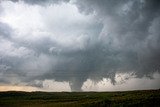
{"points": [[76, 40]]}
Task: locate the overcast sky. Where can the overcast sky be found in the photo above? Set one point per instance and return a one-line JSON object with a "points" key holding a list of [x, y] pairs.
{"points": [[79, 45]]}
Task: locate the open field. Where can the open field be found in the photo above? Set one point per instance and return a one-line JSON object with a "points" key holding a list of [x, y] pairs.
{"points": [[149, 98]]}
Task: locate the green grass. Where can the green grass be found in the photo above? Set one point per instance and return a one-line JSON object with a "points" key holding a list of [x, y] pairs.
{"points": [[145, 98]]}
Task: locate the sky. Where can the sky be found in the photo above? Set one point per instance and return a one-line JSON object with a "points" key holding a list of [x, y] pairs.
{"points": [[79, 45]]}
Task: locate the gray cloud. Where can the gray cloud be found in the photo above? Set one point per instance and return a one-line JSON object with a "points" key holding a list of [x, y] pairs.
{"points": [[120, 37], [41, 2], [5, 30]]}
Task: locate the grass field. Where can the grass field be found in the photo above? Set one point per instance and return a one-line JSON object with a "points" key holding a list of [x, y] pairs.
{"points": [[145, 98]]}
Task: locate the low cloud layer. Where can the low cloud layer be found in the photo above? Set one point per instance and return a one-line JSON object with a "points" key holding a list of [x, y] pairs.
{"points": [[74, 41]]}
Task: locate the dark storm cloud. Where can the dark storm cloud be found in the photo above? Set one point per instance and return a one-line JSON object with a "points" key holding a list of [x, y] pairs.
{"points": [[133, 20], [124, 37], [128, 46]]}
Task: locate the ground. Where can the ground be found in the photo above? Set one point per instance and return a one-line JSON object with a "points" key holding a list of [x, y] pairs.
{"points": [[143, 98]]}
